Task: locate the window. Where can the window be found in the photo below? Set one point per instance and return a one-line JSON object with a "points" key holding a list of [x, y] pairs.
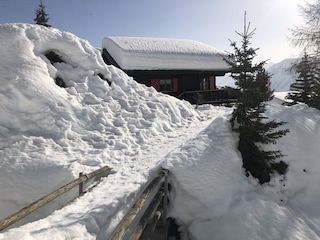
{"points": [[204, 84], [166, 85]]}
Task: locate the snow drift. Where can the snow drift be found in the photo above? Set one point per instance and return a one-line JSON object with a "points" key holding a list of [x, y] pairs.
{"points": [[49, 134], [214, 200]]}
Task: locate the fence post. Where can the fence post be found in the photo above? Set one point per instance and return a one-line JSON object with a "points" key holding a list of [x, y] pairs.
{"points": [[141, 204], [165, 198], [80, 185]]}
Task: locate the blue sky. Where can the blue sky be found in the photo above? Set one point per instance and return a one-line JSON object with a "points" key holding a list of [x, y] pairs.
{"points": [[210, 21]]}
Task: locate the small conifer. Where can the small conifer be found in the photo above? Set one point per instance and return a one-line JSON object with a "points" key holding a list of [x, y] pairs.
{"points": [[303, 86], [248, 118], [41, 15]]}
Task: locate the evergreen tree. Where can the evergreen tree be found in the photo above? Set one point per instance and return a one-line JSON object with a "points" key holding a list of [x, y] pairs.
{"points": [[248, 118], [315, 97], [41, 16], [303, 86], [315, 93]]}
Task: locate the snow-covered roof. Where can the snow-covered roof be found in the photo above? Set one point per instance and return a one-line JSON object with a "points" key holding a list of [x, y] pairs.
{"points": [[135, 53]]}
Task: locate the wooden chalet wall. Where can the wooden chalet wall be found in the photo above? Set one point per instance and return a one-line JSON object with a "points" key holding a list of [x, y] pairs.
{"points": [[183, 82]]}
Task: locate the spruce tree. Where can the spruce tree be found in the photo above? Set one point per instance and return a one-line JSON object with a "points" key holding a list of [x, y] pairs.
{"points": [[315, 99], [303, 86], [248, 117], [315, 93], [41, 16]]}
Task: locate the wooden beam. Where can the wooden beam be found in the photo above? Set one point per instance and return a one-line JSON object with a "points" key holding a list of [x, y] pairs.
{"points": [[126, 222], [147, 217]]}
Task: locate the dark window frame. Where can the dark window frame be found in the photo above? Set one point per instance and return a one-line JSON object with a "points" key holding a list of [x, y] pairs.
{"points": [[204, 83], [166, 85]]}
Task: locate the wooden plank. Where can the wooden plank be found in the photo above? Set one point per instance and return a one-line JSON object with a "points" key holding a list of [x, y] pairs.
{"points": [[146, 218], [97, 172], [125, 223], [44, 200], [149, 230]]}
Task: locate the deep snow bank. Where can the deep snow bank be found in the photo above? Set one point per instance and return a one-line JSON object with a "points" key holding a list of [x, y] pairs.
{"points": [[49, 134], [212, 199]]}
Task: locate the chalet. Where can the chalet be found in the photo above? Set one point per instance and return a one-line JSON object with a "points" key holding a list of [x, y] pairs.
{"points": [[182, 68]]}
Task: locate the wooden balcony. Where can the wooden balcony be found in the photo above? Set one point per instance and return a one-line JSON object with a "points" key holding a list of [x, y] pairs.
{"points": [[216, 96]]}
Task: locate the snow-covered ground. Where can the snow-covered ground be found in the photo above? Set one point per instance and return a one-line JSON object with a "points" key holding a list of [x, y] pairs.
{"points": [[49, 134]]}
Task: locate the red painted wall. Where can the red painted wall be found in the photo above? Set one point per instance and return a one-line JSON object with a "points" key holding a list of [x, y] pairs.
{"points": [[156, 84], [212, 82], [175, 84]]}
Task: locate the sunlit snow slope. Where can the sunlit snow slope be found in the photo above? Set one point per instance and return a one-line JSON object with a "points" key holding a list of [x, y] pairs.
{"points": [[281, 76], [49, 134]]}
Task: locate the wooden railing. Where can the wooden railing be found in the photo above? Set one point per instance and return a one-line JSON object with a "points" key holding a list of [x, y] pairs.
{"points": [[140, 221], [142, 218], [215, 96], [82, 181]]}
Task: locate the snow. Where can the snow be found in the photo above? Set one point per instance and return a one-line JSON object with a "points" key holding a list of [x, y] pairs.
{"points": [[219, 201], [225, 81], [49, 134], [282, 76], [134, 53]]}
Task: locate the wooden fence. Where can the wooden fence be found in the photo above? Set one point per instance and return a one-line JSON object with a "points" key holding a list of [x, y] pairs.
{"points": [[95, 175], [140, 221], [142, 218]]}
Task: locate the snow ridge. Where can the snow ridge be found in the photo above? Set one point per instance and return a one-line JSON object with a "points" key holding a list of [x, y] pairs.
{"points": [[51, 133]]}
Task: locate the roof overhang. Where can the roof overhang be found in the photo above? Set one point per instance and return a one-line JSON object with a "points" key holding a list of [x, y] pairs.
{"points": [[175, 72]]}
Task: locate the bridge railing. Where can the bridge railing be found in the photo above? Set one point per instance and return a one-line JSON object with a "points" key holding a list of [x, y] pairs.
{"points": [[140, 221], [142, 218]]}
